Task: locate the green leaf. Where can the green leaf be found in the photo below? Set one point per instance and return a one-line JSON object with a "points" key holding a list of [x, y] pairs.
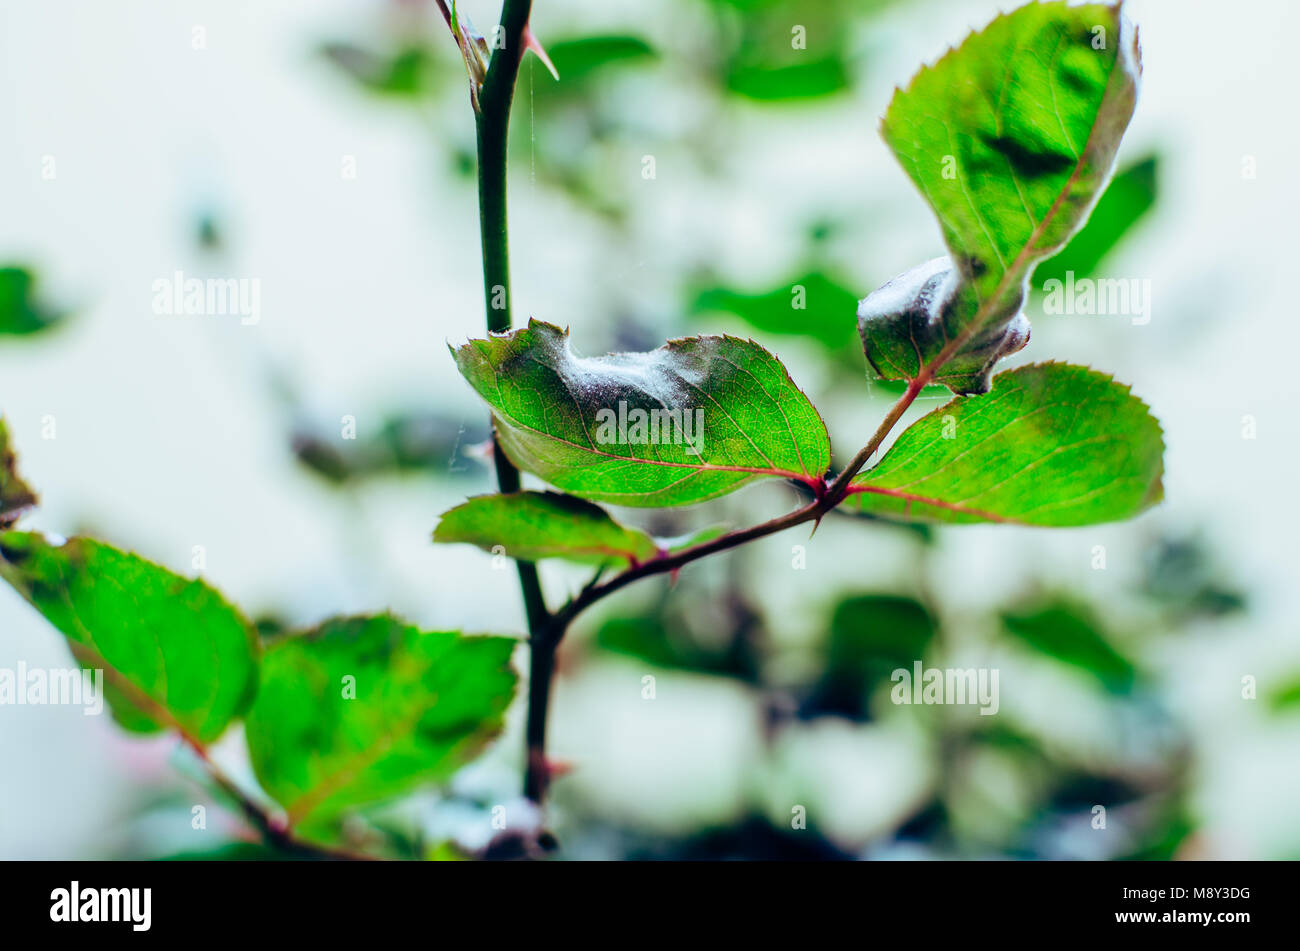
{"points": [[530, 526], [1053, 444], [1011, 139], [695, 419], [16, 496], [784, 50], [1128, 199], [806, 79], [368, 708], [812, 305], [403, 73], [21, 311], [871, 636], [175, 654], [665, 642], [578, 59], [1286, 697], [1072, 634]]}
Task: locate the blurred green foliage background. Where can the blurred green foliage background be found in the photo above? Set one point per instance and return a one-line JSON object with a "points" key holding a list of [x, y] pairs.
{"points": [[691, 169]]}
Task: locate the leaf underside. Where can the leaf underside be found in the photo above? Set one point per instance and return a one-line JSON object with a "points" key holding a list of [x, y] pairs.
{"points": [[1052, 445], [1071, 633], [695, 419]]}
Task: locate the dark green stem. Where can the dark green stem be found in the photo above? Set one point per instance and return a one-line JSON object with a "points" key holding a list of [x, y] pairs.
{"points": [[493, 119], [492, 225], [541, 666], [547, 629], [493, 127]]}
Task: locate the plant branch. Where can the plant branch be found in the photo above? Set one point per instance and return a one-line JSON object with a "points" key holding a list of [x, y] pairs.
{"points": [[839, 488], [273, 833], [546, 629], [811, 512]]}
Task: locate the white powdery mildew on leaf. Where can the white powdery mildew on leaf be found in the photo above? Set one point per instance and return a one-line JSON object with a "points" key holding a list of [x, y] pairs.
{"points": [[735, 416], [1012, 167]]}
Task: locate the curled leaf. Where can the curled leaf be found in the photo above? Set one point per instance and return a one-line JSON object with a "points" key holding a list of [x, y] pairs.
{"points": [[1011, 137], [697, 418]]}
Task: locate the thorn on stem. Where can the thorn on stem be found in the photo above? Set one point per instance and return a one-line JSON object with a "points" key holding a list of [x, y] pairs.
{"points": [[531, 43], [557, 768]]}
